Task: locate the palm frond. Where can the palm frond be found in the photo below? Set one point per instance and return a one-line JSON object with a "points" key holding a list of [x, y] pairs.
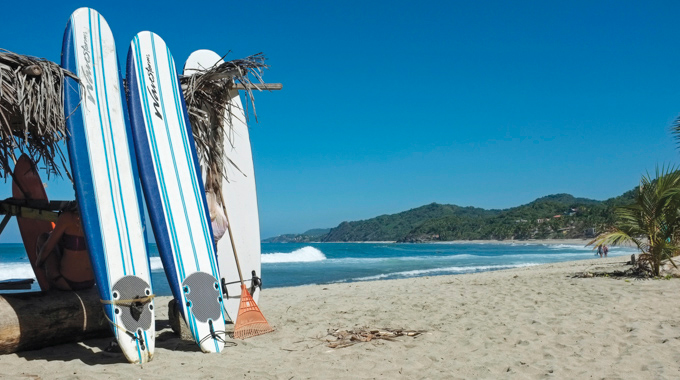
{"points": [[32, 119], [207, 94]]}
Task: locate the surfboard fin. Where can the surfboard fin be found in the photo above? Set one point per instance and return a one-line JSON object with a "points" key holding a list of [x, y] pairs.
{"points": [[250, 321]]}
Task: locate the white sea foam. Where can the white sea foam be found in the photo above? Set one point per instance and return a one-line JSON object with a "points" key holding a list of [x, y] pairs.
{"points": [[446, 270], [156, 264], [302, 255], [569, 246]]}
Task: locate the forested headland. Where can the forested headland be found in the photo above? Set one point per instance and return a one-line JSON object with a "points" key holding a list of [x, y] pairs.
{"points": [[556, 216]]}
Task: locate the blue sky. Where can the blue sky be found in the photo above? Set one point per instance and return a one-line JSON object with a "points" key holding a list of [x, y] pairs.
{"points": [[389, 105]]}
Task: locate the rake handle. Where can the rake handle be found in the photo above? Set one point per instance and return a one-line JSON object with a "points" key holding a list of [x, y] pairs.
{"points": [[233, 246]]}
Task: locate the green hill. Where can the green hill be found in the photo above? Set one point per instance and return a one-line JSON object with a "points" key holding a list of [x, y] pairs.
{"points": [[549, 217], [560, 216], [396, 226]]}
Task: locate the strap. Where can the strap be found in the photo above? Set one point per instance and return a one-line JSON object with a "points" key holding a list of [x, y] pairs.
{"points": [[129, 302]]}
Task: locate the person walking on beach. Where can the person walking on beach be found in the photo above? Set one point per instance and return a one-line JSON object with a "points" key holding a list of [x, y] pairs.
{"points": [[605, 249], [63, 253], [599, 250]]}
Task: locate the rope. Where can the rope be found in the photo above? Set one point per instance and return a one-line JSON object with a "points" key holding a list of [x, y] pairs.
{"points": [[129, 302]]}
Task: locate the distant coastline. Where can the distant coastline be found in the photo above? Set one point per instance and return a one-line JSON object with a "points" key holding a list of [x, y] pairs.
{"points": [[547, 219], [582, 242]]}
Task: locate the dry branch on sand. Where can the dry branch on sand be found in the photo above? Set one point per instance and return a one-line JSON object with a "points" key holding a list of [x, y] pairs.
{"points": [[338, 338], [32, 119]]}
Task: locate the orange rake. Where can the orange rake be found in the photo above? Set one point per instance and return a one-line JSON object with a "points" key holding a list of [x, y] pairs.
{"points": [[249, 321]]}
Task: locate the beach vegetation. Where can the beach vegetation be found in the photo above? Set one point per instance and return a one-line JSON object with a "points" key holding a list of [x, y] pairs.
{"points": [[558, 216], [651, 222]]}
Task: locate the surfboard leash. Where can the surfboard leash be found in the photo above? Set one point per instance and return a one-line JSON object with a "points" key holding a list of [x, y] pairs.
{"points": [[134, 336], [131, 303], [215, 335]]}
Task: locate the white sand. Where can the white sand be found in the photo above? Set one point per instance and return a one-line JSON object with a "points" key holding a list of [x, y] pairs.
{"points": [[536, 322]]}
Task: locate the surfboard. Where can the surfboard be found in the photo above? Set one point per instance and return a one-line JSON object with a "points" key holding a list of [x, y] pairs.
{"points": [[26, 184], [173, 188], [107, 182], [239, 194]]}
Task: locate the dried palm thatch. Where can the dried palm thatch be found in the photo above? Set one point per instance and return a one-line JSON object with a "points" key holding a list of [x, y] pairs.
{"points": [[32, 112], [338, 338], [207, 95]]}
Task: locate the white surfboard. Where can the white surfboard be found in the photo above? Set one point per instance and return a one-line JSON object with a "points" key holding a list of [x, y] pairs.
{"points": [[173, 188], [240, 197], [107, 183]]}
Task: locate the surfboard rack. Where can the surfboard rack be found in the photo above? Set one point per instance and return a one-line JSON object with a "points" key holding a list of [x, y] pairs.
{"points": [[16, 284], [32, 209], [252, 86], [255, 282], [259, 86]]}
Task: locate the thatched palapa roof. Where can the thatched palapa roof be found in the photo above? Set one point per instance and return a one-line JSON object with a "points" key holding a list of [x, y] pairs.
{"points": [[31, 112], [207, 97], [32, 119]]}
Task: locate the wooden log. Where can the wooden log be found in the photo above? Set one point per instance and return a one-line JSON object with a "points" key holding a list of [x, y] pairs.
{"points": [[31, 321], [177, 323], [253, 86]]}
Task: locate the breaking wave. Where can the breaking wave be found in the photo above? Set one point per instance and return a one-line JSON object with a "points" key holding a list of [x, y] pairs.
{"points": [[302, 255]]}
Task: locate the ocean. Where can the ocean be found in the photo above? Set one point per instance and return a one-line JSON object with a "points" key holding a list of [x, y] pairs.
{"points": [[293, 264]]}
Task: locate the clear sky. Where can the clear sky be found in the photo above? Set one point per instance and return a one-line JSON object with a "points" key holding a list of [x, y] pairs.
{"points": [[390, 105]]}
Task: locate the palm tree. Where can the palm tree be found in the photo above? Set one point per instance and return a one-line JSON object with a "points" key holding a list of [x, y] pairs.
{"points": [[652, 223]]}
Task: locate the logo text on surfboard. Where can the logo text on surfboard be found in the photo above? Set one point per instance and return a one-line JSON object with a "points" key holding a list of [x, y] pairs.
{"points": [[151, 89], [87, 69]]}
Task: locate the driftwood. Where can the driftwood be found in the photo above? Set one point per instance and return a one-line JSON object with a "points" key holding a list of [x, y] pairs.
{"points": [[36, 320], [345, 338]]}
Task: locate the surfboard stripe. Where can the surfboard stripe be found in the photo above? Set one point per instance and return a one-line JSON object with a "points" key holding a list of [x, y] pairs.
{"points": [[103, 170], [184, 134], [190, 316], [78, 145], [159, 167], [174, 161], [157, 162], [125, 255], [172, 185], [207, 239], [94, 77], [107, 149]]}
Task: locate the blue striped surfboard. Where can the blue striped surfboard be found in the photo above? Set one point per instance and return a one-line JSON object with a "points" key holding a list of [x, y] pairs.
{"points": [[173, 188], [107, 182]]}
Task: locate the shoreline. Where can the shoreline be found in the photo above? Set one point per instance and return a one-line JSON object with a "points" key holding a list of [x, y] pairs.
{"points": [[499, 242], [530, 322]]}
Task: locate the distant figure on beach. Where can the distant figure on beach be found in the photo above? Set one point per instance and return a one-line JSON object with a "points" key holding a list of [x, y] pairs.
{"points": [[599, 250], [605, 249], [218, 219], [63, 253]]}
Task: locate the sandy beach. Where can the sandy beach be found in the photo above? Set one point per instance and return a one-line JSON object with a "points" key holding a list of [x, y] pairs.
{"points": [[534, 322]]}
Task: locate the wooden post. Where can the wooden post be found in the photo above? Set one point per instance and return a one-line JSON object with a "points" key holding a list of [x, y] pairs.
{"points": [[36, 320], [260, 86]]}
